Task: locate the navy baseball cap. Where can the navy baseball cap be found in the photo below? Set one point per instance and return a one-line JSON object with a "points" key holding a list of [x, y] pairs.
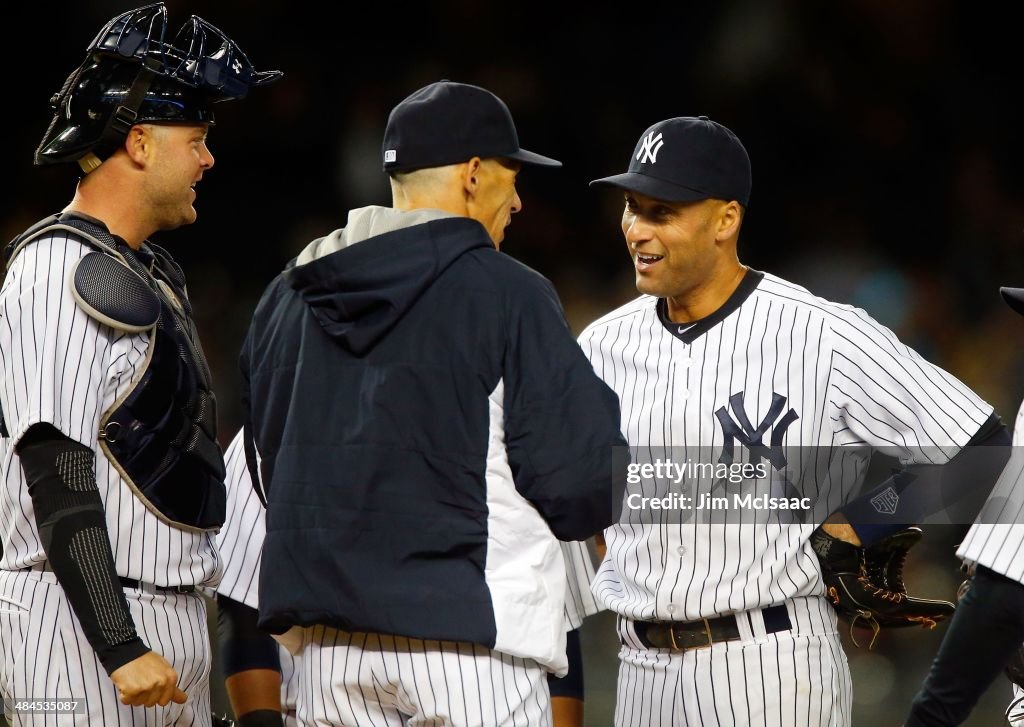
{"points": [[686, 159], [448, 123]]}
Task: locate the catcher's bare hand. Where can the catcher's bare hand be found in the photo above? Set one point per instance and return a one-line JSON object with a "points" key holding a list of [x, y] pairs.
{"points": [[147, 681]]}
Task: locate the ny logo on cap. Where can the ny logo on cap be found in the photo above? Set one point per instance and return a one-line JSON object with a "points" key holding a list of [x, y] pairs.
{"points": [[649, 149]]}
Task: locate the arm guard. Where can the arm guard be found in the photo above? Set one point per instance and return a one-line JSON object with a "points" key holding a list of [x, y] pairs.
{"points": [[73, 530]]}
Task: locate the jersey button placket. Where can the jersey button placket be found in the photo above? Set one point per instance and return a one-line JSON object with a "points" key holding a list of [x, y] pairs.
{"points": [[683, 364]]}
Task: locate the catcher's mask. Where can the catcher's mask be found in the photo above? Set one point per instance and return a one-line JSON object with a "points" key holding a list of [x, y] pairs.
{"points": [[132, 75]]}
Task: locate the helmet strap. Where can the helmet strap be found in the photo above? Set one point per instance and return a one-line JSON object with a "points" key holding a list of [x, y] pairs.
{"points": [[124, 116], [90, 162]]}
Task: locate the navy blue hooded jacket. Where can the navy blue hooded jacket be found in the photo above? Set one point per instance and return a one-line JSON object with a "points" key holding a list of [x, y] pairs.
{"points": [[427, 427]]}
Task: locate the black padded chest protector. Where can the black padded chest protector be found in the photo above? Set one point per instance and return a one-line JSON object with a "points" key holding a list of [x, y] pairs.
{"points": [[114, 294]]}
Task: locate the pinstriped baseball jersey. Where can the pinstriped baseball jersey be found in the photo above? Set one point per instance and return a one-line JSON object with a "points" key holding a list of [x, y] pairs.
{"points": [[60, 366], [579, 572], [996, 540], [804, 371], [240, 543], [1015, 710]]}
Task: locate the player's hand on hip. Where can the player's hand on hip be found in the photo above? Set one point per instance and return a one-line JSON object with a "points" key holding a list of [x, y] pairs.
{"points": [[147, 681]]}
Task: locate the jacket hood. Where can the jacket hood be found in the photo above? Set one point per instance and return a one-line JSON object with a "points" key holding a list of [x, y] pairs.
{"points": [[360, 280]]}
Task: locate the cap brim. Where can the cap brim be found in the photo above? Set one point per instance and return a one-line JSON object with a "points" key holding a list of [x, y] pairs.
{"points": [[1014, 298], [529, 157], [652, 187]]}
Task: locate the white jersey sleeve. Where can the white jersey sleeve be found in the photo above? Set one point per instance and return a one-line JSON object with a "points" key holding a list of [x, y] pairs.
{"points": [[240, 541], [996, 540], [56, 362], [885, 395], [61, 367]]}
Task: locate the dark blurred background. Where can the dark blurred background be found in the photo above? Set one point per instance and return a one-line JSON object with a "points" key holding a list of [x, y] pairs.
{"points": [[882, 136]]}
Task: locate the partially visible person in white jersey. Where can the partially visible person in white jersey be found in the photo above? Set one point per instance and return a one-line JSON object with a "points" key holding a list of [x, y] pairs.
{"points": [[260, 676], [989, 624], [99, 355], [262, 680], [727, 622]]}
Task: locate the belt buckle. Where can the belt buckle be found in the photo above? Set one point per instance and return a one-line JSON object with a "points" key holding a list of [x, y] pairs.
{"points": [[677, 647]]}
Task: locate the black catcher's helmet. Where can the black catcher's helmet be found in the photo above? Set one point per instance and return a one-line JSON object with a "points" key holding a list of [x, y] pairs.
{"points": [[131, 75]]}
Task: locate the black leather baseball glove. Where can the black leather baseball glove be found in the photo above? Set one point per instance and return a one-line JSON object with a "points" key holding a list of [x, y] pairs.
{"points": [[866, 584]]}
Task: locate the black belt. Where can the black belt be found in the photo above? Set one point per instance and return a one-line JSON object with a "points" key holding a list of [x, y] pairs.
{"points": [[683, 635], [125, 582], [132, 583]]}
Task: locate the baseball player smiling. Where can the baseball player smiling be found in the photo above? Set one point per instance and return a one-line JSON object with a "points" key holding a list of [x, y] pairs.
{"points": [[111, 478], [728, 623]]}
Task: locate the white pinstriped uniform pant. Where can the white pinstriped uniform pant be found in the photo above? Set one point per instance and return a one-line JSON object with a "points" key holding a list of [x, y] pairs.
{"points": [[358, 679], [289, 686], [795, 678], [44, 653]]}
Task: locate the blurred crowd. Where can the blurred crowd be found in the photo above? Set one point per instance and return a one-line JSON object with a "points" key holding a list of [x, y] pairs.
{"points": [[882, 137]]}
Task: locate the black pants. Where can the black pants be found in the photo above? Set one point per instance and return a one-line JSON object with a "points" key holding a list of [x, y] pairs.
{"points": [[986, 630]]}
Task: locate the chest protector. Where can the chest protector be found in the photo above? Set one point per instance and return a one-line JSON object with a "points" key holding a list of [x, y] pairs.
{"points": [[161, 434]]}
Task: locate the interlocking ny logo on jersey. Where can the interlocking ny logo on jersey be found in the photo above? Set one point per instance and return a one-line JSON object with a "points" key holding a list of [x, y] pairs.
{"points": [[649, 149], [749, 436]]}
